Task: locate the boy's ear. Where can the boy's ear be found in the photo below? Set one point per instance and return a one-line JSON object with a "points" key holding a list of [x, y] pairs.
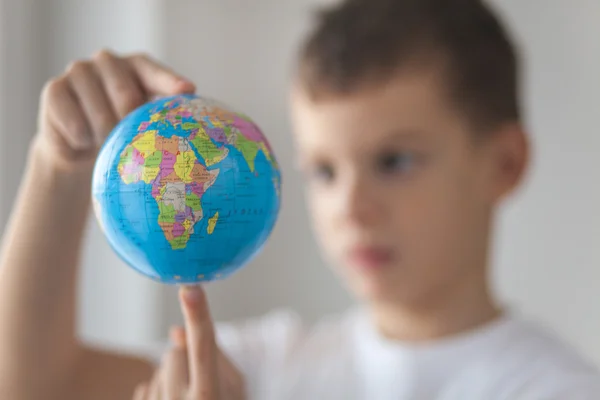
{"points": [[510, 155]]}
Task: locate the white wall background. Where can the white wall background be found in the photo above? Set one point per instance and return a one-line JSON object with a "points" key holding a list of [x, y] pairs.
{"points": [[21, 76], [547, 259], [548, 254]]}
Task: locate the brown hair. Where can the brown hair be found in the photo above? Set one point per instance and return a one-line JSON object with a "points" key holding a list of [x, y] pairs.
{"points": [[361, 42]]}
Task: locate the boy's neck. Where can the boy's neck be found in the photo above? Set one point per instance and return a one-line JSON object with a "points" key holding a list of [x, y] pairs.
{"points": [[458, 309]]}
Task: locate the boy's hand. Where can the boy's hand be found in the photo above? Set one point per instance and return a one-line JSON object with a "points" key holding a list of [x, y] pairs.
{"points": [[195, 369], [79, 108]]}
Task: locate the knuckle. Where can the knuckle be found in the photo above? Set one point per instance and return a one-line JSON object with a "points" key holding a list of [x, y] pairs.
{"points": [[78, 67], [140, 56], [103, 54], [53, 87]]}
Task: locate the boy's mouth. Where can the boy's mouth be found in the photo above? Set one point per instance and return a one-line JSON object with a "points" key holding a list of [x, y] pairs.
{"points": [[369, 257]]}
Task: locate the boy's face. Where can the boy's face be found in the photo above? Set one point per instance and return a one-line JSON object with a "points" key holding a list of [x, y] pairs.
{"points": [[400, 193]]}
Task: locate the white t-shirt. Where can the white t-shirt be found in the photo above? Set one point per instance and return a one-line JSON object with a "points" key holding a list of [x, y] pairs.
{"points": [[344, 358]]}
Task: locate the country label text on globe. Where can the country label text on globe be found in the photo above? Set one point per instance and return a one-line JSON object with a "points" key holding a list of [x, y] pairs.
{"points": [[186, 189]]}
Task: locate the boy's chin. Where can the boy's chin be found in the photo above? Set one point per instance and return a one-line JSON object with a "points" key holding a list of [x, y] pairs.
{"points": [[374, 286], [374, 290]]}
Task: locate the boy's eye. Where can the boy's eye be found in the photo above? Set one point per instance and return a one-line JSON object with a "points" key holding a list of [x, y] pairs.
{"points": [[323, 172], [396, 162]]}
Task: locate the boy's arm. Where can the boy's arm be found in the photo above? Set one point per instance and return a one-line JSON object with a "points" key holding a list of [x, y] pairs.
{"points": [[40, 351], [40, 356]]}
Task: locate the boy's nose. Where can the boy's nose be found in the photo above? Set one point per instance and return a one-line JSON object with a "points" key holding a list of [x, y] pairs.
{"points": [[359, 203]]}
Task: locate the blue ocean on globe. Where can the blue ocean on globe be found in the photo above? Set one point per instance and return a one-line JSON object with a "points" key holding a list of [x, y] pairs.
{"points": [[186, 190]]}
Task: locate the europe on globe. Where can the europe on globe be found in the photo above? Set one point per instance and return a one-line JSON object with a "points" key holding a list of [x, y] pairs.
{"points": [[186, 189]]}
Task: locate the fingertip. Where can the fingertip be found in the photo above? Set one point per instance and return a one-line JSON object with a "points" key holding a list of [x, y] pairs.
{"points": [[185, 86], [177, 336], [192, 295], [194, 304], [173, 330]]}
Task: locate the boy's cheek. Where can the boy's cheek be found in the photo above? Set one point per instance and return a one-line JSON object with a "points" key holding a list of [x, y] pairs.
{"points": [[321, 216]]}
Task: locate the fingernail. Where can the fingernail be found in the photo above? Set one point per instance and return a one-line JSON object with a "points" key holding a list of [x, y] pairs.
{"points": [[192, 294], [188, 84], [173, 332], [177, 336]]}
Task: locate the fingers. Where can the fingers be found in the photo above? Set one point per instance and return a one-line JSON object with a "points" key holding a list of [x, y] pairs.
{"points": [[231, 382], [154, 389], [141, 392], [175, 364], [158, 79], [66, 114], [194, 369], [80, 108], [202, 349], [177, 336], [149, 390], [122, 86], [88, 88]]}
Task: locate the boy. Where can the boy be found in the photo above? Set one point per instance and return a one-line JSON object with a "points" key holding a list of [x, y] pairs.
{"points": [[408, 131]]}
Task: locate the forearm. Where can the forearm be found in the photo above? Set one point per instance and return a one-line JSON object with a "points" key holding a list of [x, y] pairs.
{"points": [[38, 274]]}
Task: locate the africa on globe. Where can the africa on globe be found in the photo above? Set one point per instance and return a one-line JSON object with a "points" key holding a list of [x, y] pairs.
{"points": [[186, 189]]}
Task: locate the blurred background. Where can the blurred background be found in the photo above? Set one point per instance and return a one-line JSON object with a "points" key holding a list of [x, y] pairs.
{"points": [[547, 254]]}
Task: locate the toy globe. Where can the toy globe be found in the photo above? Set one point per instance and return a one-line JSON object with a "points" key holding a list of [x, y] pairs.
{"points": [[186, 190]]}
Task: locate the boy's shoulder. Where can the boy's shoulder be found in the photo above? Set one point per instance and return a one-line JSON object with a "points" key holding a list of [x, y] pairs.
{"points": [[531, 361]]}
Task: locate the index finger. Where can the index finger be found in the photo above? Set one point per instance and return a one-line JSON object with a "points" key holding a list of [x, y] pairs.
{"points": [[201, 345], [156, 78]]}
